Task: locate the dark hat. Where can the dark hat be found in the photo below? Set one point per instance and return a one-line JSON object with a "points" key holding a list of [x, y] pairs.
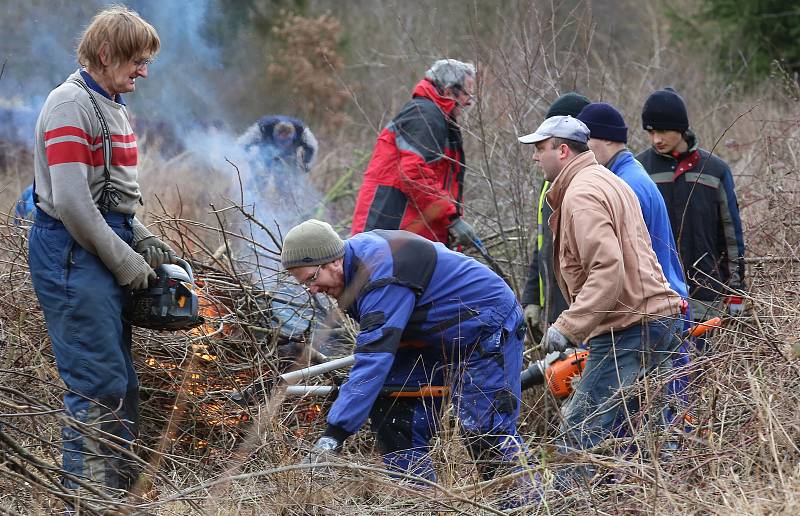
{"points": [[604, 122], [665, 110], [567, 104]]}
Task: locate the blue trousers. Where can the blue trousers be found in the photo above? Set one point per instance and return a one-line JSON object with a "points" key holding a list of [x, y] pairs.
{"points": [[485, 392], [598, 404], [82, 306]]}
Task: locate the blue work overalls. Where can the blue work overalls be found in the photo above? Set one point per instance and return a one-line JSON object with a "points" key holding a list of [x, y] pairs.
{"points": [[82, 305]]}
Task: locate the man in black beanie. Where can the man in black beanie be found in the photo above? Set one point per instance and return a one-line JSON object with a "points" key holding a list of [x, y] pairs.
{"points": [[541, 291], [698, 190]]}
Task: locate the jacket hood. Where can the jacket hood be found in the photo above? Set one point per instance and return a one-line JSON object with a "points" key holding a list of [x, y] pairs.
{"points": [[561, 183], [425, 88]]}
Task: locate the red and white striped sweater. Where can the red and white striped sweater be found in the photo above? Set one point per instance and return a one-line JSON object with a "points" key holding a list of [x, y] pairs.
{"points": [[68, 166]]}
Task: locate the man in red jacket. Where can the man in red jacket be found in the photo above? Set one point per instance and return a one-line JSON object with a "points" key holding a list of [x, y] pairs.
{"points": [[415, 177]]}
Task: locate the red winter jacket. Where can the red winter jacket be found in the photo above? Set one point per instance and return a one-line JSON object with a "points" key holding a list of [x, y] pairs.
{"points": [[414, 179]]}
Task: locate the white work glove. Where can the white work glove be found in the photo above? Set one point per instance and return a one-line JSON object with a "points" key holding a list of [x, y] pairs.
{"points": [[734, 305], [554, 340], [323, 451], [462, 233], [533, 314], [155, 252]]}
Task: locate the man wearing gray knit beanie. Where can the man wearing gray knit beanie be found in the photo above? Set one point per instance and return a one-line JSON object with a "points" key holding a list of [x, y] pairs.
{"points": [[426, 314]]}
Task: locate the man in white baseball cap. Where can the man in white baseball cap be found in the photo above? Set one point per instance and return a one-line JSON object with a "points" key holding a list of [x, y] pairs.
{"points": [[620, 303]]}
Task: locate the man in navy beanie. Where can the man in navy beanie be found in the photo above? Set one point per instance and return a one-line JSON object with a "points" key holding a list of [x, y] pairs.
{"points": [[608, 136], [698, 190], [541, 293]]}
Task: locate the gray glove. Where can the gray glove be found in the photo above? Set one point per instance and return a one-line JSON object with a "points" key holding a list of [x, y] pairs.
{"points": [[155, 252], [533, 315], [142, 279], [554, 340], [462, 233]]}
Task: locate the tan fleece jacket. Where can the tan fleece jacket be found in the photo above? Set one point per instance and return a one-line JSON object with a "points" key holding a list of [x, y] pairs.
{"points": [[603, 258]]}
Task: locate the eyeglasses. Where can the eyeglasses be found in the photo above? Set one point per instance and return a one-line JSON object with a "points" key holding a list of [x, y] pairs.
{"points": [[461, 89], [311, 279], [141, 63]]}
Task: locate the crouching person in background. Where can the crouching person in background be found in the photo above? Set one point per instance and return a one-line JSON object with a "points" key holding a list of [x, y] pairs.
{"points": [[87, 247], [428, 316], [282, 148]]}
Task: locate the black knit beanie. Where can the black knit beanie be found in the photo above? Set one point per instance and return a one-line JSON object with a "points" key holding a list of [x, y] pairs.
{"points": [[604, 122], [665, 110], [567, 104]]}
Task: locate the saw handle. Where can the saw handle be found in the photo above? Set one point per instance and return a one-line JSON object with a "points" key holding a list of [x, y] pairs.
{"points": [[425, 391], [703, 327]]}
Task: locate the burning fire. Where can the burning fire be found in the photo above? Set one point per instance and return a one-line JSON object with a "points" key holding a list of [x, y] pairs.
{"points": [[306, 416], [215, 314], [191, 393]]}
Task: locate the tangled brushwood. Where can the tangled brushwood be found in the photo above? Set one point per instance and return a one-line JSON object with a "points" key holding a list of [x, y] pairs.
{"points": [[205, 453]]}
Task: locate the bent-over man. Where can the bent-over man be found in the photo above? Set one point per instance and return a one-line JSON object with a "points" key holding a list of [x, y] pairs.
{"points": [[428, 316]]}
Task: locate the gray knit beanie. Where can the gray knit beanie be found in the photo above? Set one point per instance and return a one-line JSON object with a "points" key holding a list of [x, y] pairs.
{"points": [[312, 242]]}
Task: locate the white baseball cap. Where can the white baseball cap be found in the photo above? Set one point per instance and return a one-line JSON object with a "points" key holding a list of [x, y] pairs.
{"points": [[565, 127]]}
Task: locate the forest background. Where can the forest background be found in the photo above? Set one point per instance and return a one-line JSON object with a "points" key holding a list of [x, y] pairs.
{"points": [[345, 68]]}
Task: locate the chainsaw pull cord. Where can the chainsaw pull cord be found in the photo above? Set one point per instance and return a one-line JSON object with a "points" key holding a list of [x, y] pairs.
{"points": [[110, 197]]}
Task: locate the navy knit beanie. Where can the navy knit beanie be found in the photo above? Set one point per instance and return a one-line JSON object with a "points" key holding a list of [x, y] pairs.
{"points": [[604, 122], [665, 110], [567, 104]]}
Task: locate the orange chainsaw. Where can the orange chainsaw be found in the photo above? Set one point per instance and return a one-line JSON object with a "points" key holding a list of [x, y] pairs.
{"points": [[557, 369]]}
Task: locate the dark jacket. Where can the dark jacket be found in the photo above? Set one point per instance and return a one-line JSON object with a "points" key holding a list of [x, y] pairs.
{"points": [[540, 286], [418, 305], [267, 126], [414, 179], [701, 201]]}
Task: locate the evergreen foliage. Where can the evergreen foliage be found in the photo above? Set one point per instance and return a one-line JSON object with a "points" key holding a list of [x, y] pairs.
{"points": [[752, 36]]}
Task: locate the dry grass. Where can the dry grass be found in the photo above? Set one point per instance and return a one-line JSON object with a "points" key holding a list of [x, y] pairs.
{"points": [[209, 456]]}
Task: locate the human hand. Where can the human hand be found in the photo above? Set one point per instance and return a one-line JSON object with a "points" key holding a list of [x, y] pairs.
{"points": [[462, 233], [554, 340], [734, 305], [533, 315], [155, 252], [323, 451], [142, 278]]}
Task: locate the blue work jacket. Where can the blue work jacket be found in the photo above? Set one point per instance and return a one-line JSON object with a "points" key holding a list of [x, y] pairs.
{"points": [[656, 218], [421, 307]]}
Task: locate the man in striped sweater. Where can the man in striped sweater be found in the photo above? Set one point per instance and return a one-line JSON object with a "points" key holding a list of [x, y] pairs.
{"points": [[87, 248]]}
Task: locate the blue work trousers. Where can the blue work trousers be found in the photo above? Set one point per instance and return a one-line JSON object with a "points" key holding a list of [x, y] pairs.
{"points": [[485, 392], [82, 305]]}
